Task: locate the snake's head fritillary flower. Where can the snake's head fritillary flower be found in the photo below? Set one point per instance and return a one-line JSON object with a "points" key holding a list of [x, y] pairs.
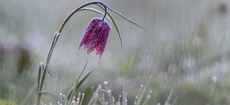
{"points": [[95, 36]]}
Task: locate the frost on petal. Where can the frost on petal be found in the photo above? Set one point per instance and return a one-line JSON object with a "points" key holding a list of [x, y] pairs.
{"points": [[103, 40], [95, 36], [88, 32]]}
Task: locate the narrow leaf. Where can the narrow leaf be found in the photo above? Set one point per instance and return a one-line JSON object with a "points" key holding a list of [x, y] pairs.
{"points": [[76, 85], [40, 71], [70, 93], [124, 17], [83, 79], [53, 44], [116, 27], [83, 70]]}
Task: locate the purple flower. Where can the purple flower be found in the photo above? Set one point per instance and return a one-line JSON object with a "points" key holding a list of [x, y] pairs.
{"points": [[95, 36]]}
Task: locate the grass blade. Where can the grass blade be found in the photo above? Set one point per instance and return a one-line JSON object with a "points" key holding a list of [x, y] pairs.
{"points": [[92, 100], [141, 97]]}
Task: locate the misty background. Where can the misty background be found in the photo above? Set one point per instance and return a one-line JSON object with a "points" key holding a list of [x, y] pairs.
{"points": [[184, 42]]}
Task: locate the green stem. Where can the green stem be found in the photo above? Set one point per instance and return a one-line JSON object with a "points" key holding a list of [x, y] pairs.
{"points": [[55, 39]]}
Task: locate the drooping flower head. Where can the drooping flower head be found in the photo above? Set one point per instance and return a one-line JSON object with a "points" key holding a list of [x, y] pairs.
{"points": [[95, 36]]}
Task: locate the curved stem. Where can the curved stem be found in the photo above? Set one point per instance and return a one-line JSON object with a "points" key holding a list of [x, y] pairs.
{"points": [[76, 10], [105, 9]]}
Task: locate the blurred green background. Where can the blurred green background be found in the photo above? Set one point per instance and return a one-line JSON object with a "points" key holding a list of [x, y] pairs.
{"points": [[184, 46]]}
